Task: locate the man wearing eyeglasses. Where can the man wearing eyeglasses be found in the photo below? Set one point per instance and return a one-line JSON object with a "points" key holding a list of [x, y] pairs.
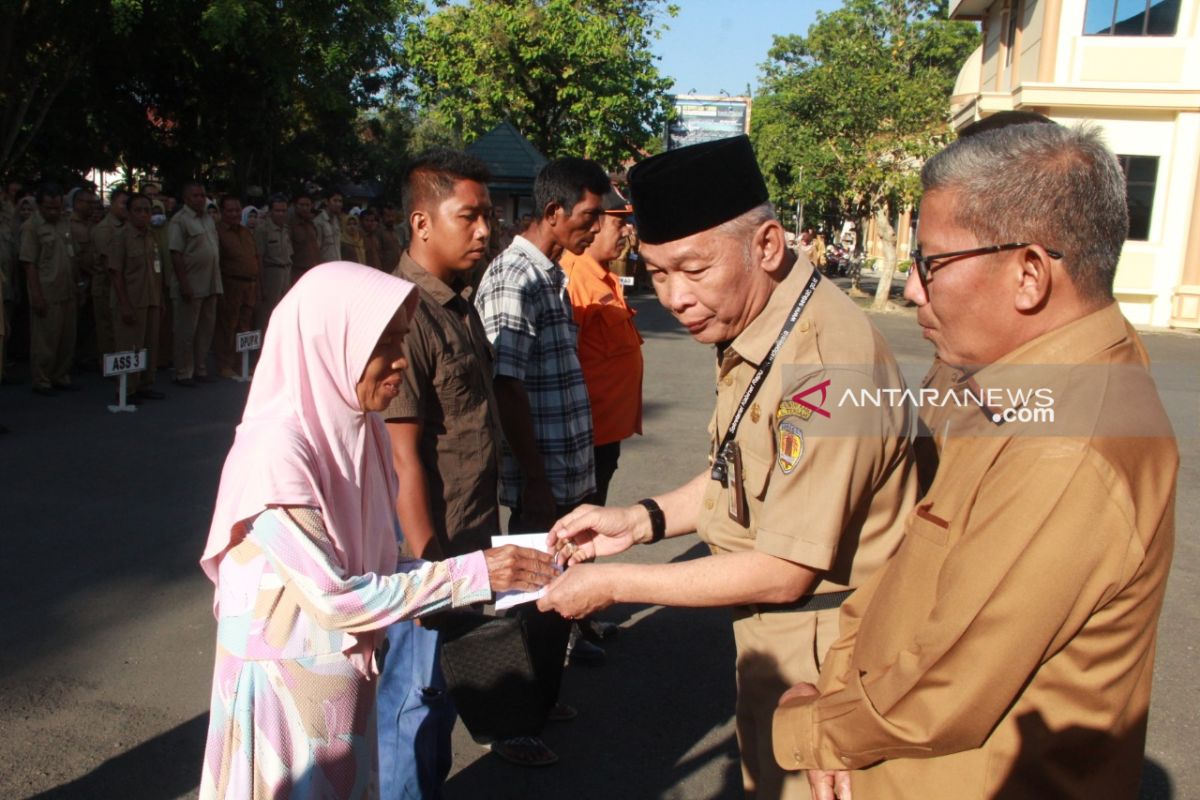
{"points": [[1007, 648]]}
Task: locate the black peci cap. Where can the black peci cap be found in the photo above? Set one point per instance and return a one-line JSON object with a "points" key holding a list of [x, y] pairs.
{"points": [[689, 190]]}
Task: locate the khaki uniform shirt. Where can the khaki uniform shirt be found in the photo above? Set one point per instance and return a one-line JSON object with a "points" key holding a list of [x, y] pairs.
{"points": [[239, 254], [371, 250], [827, 492], [136, 255], [85, 251], [195, 236], [49, 248], [1007, 649], [389, 248], [274, 243], [103, 235], [448, 388], [329, 238], [306, 246]]}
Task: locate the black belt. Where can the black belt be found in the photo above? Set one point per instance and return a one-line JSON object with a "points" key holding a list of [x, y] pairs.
{"points": [[809, 602], [276, 266], [238, 278]]}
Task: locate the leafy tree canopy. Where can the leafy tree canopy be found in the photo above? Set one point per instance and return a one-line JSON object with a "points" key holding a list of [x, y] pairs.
{"points": [[243, 91], [575, 77], [858, 104]]}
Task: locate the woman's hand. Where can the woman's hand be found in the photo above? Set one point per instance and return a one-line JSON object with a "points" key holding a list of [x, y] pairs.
{"points": [[512, 567]]}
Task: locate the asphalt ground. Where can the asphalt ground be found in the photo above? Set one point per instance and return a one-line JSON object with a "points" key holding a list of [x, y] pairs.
{"points": [[106, 646]]}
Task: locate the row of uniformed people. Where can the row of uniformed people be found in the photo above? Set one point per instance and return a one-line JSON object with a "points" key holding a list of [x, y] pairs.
{"points": [[224, 273]]}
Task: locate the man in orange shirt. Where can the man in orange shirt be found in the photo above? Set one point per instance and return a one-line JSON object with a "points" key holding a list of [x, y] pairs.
{"points": [[610, 347]]}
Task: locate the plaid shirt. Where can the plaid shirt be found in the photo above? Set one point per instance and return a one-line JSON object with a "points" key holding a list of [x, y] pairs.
{"points": [[527, 317]]}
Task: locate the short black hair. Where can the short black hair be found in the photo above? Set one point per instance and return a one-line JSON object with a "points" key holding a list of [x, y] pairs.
{"points": [[225, 198], [564, 180], [48, 189], [278, 197], [139, 196], [432, 175], [303, 194]]}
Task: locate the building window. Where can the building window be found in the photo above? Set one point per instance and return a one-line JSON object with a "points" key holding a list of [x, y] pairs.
{"points": [[1131, 18], [1011, 41], [1141, 173]]}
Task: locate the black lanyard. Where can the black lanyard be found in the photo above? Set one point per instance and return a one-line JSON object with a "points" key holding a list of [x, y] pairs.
{"points": [[718, 467]]}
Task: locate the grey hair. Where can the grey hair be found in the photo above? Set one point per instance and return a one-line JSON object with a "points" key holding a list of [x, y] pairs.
{"points": [[743, 226], [1051, 185]]}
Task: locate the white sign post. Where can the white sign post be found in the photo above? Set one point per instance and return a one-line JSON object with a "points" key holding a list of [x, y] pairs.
{"points": [[247, 341], [123, 364]]}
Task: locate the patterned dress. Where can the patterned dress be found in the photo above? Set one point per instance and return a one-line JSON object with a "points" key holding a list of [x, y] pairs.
{"points": [[291, 715]]}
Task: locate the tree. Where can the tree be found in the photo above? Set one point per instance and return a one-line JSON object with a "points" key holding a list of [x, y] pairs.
{"points": [[576, 78], [859, 103], [236, 91]]}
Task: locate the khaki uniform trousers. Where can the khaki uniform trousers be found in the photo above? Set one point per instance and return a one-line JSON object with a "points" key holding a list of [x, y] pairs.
{"points": [[235, 313], [775, 651], [52, 344], [142, 332], [194, 323], [273, 283], [106, 338]]}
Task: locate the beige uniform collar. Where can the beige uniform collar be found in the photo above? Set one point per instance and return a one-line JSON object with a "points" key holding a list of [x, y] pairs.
{"points": [[1074, 343]]}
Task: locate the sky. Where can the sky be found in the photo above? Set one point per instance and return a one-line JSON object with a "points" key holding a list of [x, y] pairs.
{"points": [[716, 45]]}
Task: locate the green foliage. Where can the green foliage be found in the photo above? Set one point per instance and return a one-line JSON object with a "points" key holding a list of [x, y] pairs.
{"points": [[236, 91], [576, 78], [859, 103]]}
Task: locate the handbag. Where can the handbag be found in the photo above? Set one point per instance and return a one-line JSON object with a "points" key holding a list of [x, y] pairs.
{"points": [[490, 675]]}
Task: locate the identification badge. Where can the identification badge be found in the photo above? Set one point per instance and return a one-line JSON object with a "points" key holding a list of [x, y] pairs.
{"points": [[737, 493]]}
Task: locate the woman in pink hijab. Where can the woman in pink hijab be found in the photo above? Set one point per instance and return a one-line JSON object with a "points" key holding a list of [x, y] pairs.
{"points": [[303, 548]]}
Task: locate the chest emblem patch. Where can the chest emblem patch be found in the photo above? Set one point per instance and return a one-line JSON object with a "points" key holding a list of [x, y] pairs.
{"points": [[790, 445], [755, 413]]}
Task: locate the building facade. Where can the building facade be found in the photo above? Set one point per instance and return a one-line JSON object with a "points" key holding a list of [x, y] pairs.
{"points": [[1132, 67]]}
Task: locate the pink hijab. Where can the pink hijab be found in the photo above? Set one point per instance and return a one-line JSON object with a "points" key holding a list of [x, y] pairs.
{"points": [[304, 440]]}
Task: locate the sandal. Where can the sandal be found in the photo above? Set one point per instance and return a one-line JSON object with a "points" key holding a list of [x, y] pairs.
{"points": [[524, 751]]}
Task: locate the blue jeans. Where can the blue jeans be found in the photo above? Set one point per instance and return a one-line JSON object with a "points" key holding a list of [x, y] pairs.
{"points": [[415, 716]]}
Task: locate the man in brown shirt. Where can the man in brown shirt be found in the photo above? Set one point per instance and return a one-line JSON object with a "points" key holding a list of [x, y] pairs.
{"points": [[240, 268], [135, 268], [274, 242], [82, 202], [306, 241], [195, 257], [1007, 649], [445, 444], [45, 256], [803, 499], [329, 228], [389, 240], [369, 223], [103, 236]]}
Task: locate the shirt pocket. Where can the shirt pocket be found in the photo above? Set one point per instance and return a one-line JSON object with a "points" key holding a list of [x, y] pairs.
{"points": [[925, 524], [458, 383], [617, 330]]}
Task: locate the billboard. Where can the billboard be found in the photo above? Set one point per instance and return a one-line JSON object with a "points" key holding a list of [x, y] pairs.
{"points": [[701, 118]]}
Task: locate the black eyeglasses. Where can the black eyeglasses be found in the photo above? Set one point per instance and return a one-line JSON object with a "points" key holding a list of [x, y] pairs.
{"points": [[925, 268]]}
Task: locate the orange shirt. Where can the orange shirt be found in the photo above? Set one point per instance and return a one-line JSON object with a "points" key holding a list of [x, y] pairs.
{"points": [[610, 348]]}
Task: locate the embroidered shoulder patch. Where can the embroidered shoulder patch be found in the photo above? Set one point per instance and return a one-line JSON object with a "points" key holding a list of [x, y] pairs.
{"points": [[790, 445]]}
